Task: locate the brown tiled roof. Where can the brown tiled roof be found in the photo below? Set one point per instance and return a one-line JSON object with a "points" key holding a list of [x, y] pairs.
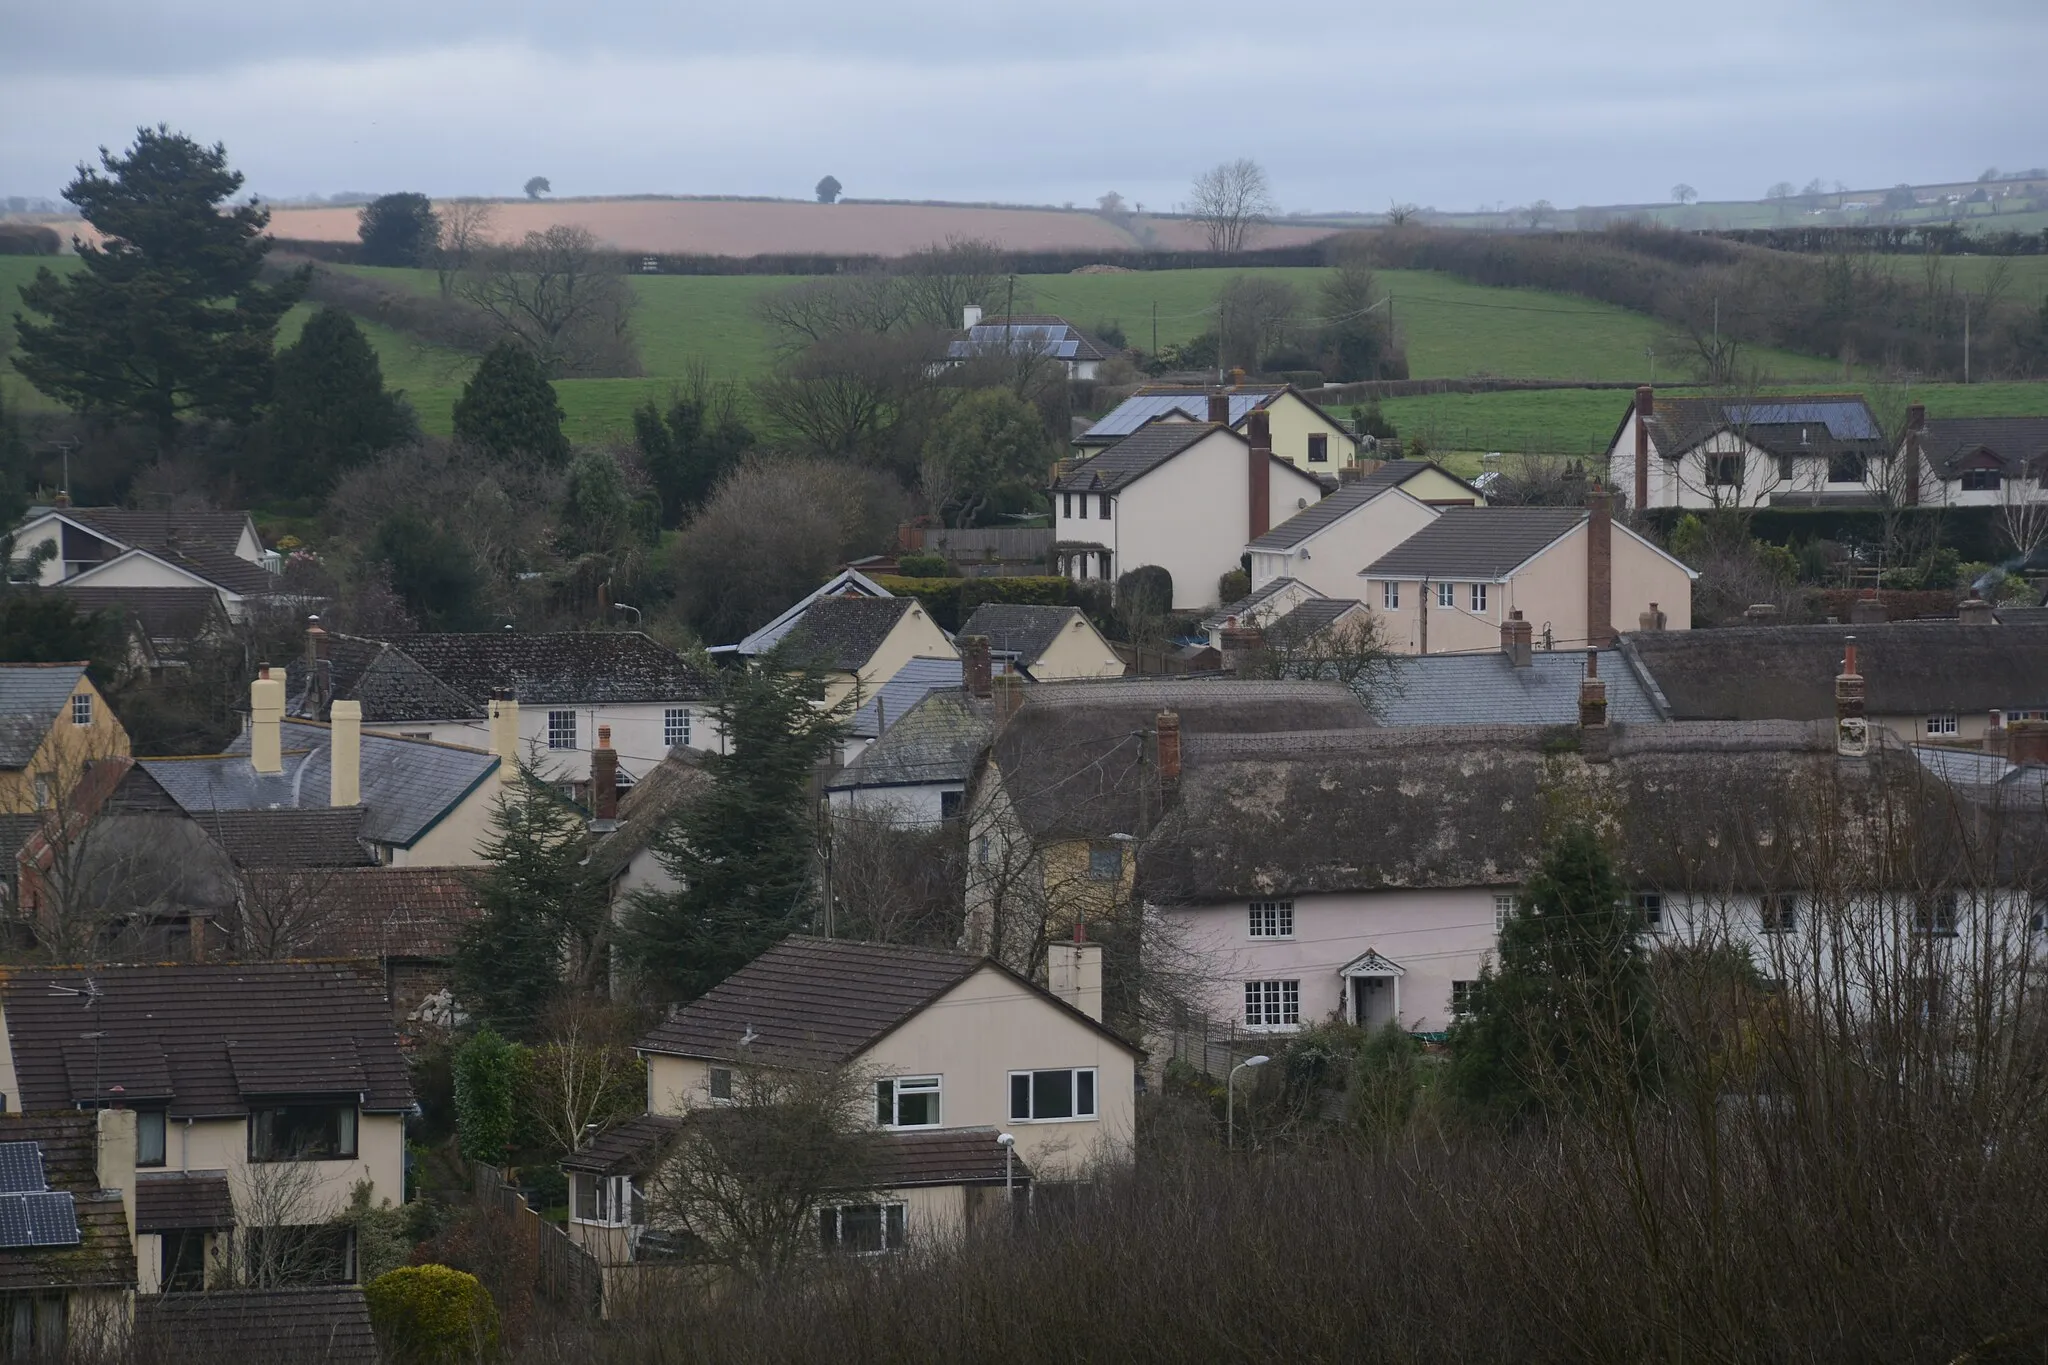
{"points": [[810, 1001], [170, 1201], [1137, 455], [104, 1256], [387, 912], [625, 1148], [153, 530], [1481, 543], [319, 836], [2019, 443], [300, 1025], [168, 616], [329, 1325], [945, 1156]]}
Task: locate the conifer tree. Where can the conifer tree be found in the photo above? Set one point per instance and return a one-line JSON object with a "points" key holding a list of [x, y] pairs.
{"points": [[509, 408], [330, 410]]}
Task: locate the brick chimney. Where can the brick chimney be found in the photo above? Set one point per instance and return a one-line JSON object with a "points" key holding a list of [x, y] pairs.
{"points": [[1259, 429], [504, 714], [1167, 726], [975, 667], [1996, 735], [1852, 729], [319, 671], [1599, 568], [1238, 641], [1518, 640], [1008, 693], [1916, 431], [604, 780], [1073, 972], [1651, 619], [2027, 742], [1594, 736], [345, 754], [1646, 408], [266, 718], [1975, 611], [1219, 408], [1867, 611]]}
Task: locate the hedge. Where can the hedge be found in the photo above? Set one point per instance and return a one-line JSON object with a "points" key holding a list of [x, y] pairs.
{"points": [[432, 1315], [1972, 532], [950, 601], [486, 1073]]}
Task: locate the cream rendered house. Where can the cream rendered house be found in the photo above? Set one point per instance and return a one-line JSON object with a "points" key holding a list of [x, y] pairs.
{"points": [[263, 1094], [1303, 434], [53, 722], [1572, 573], [1044, 644], [118, 547], [1326, 544]]}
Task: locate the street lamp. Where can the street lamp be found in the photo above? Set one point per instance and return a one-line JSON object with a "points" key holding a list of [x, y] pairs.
{"points": [[1008, 1142], [1230, 1096]]}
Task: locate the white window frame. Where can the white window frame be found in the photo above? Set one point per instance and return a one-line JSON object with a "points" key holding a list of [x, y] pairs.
{"points": [[1318, 448], [555, 729], [1270, 920], [613, 1202], [1447, 595], [1272, 1005], [1777, 912], [1941, 725], [837, 1212], [1505, 907], [1479, 597], [1938, 914], [81, 709], [1390, 594], [1461, 998], [1105, 850], [717, 1079], [1649, 907], [1073, 1094], [898, 1087], [675, 726]]}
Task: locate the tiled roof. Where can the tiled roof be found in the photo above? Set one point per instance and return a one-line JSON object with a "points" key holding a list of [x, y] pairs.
{"points": [[625, 1148], [845, 632], [1909, 668], [845, 583], [1133, 457], [1018, 629], [407, 784], [1349, 497], [1309, 618], [31, 695], [1790, 424], [213, 1030], [1260, 595], [170, 1201], [1487, 689], [646, 809], [327, 1325], [935, 743], [167, 615], [384, 912], [104, 1256], [1152, 402], [146, 530], [893, 700], [810, 1001], [589, 667], [945, 1156], [318, 836], [2018, 442], [1481, 543], [390, 684]]}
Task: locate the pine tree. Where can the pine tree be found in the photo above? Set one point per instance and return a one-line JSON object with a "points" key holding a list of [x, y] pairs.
{"points": [[1565, 1017], [330, 410], [543, 928], [742, 853], [398, 229], [165, 317], [509, 408], [687, 452]]}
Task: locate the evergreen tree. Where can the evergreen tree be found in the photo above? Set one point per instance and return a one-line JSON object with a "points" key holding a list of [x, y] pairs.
{"points": [[432, 572], [687, 452], [38, 627], [742, 852], [542, 931], [1565, 1017], [330, 410], [398, 229], [509, 408], [165, 316], [991, 444]]}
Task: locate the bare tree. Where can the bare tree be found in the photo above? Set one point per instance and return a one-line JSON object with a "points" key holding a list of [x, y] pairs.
{"points": [[1253, 318], [2023, 515], [818, 310], [939, 281], [865, 394], [465, 231], [1231, 201], [1682, 193], [1539, 214], [896, 879], [282, 911], [282, 1227], [558, 293], [1401, 215], [583, 1075]]}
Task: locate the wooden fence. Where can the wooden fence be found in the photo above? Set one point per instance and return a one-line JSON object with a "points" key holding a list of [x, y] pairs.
{"points": [[564, 1273]]}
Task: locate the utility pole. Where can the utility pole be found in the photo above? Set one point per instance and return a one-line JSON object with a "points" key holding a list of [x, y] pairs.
{"points": [[1966, 338], [1155, 327]]}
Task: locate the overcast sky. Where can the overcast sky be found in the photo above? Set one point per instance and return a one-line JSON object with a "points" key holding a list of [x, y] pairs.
{"points": [[1449, 103]]}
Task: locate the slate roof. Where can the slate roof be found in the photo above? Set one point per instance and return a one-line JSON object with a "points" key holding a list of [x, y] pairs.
{"points": [[31, 698], [1154, 401], [155, 530], [418, 913], [1349, 497], [104, 1256], [845, 632], [1133, 457], [1017, 629], [319, 836], [1257, 597], [1788, 672], [1309, 618], [1042, 333], [845, 583], [208, 1037], [625, 1148], [646, 809], [390, 684], [407, 784], [2018, 442], [166, 615], [587, 667], [893, 700], [810, 1001], [324, 1325], [170, 1201], [1487, 689], [943, 1156], [1790, 424], [1481, 543], [935, 743]]}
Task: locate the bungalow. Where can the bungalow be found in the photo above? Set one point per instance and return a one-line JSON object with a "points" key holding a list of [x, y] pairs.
{"points": [[1303, 434], [263, 1093], [1184, 496], [1044, 644], [161, 626], [1043, 335], [1802, 450], [1975, 461], [1575, 575], [53, 721]]}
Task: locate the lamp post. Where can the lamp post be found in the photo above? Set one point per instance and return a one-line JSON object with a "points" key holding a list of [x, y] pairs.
{"points": [[1230, 1097], [1008, 1143]]}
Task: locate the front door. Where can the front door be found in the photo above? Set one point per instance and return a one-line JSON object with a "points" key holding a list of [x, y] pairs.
{"points": [[1372, 1001]]}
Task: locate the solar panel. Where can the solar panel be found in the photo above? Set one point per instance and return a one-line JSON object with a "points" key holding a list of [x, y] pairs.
{"points": [[45, 1219], [1844, 421], [21, 1168]]}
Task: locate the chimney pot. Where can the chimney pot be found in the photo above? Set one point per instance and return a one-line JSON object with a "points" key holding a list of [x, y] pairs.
{"points": [[1518, 640], [976, 667], [1219, 408], [604, 779], [1852, 727], [1975, 612], [1652, 619], [266, 718], [1594, 735]]}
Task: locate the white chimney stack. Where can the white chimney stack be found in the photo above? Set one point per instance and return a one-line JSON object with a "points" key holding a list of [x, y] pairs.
{"points": [[1073, 972], [505, 735], [345, 765], [266, 719], [969, 316]]}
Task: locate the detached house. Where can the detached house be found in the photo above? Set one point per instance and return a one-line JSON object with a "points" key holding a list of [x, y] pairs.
{"points": [[1027, 334], [1184, 496], [1975, 461], [53, 722], [1044, 644], [116, 547], [262, 1094], [1801, 450], [1303, 434]]}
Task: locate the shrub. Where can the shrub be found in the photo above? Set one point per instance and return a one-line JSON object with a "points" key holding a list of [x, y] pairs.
{"points": [[922, 566], [1233, 585], [432, 1315], [1145, 591], [28, 239], [1047, 590], [486, 1074]]}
